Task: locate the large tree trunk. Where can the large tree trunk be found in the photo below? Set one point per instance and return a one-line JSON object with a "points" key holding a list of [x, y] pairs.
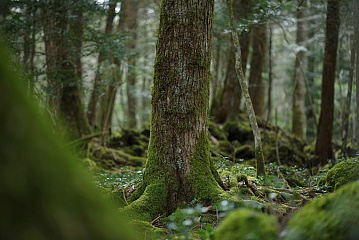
{"points": [[229, 102], [323, 146], [256, 86], [298, 117], [179, 167], [92, 106]]}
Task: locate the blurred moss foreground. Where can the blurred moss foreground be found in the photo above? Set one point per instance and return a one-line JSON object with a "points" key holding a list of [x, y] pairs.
{"points": [[335, 216], [247, 224], [43, 193]]}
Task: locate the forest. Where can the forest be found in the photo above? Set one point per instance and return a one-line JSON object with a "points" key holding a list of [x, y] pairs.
{"points": [[179, 119]]}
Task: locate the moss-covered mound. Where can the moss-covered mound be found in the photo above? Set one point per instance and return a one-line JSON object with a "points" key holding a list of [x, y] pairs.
{"points": [[335, 216], [130, 141], [113, 159], [247, 224], [343, 173]]}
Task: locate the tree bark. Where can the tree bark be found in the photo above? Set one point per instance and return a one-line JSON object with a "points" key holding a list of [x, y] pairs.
{"points": [[298, 116], [256, 86], [179, 168], [323, 146]]}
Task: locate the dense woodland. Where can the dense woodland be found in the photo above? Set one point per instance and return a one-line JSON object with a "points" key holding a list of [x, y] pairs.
{"points": [[208, 119]]}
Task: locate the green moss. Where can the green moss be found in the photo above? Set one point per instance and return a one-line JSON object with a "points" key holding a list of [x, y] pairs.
{"points": [[245, 152], [44, 192], [147, 230], [240, 131], [335, 216], [343, 173], [149, 204], [247, 224]]}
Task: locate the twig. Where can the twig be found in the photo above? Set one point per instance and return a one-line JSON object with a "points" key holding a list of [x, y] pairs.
{"points": [[85, 138], [124, 196], [154, 220]]}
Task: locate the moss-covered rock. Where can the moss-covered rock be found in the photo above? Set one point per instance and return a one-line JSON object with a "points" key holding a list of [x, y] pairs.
{"points": [[343, 173], [245, 152], [247, 224], [335, 216], [130, 141], [239, 130], [216, 131]]}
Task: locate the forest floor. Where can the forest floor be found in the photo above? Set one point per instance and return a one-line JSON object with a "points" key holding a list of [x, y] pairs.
{"points": [[290, 183]]}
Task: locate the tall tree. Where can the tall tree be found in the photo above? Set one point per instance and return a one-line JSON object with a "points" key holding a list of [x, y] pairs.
{"points": [[256, 86], [298, 116], [179, 168], [230, 96], [131, 28], [356, 41], [92, 106], [323, 146], [63, 42]]}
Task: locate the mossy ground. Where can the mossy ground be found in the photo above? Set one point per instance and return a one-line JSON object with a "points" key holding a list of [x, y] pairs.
{"points": [[282, 192]]}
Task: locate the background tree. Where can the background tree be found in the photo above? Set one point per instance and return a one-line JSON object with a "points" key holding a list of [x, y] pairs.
{"points": [[259, 45], [228, 104], [298, 117], [324, 137], [103, 54], [179, 167]]}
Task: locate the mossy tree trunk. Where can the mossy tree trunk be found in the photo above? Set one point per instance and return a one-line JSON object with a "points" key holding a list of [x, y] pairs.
{"points": [[179, 168], [250, 110], [298, 116], [323, 146]]}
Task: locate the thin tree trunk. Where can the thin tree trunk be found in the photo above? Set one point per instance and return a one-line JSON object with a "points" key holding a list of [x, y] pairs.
{"points": [[270, 76], [92, 106], [250, 110], [346, 110], [323, 146], [298, 116], [356, 40], [131, 27]]}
